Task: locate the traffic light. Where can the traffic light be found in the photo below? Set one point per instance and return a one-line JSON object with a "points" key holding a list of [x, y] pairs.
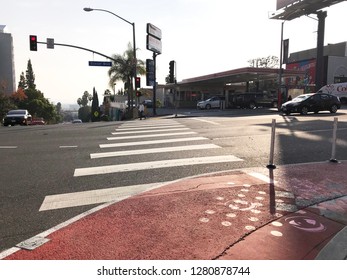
{"points": [[138, 82], [172, 71], [138, 93], [33, 42]]}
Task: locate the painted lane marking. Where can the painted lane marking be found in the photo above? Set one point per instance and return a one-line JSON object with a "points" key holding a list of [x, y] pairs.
{"points": [[156, 150], [131, 128], [113, 145], [145, 124], [151, 135], [8, 147], [262, 177], [149, 131], [152, 165], [202, 120], [67, 147], [66, 200]]}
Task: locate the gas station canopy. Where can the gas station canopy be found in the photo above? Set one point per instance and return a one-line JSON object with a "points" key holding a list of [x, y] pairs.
{"points": [[240, 75]]}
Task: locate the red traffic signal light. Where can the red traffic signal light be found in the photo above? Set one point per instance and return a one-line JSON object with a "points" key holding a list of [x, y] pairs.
{"points": [[137, 82], [33, 42]]}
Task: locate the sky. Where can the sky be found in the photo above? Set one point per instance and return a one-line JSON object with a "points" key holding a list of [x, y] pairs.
{"points": [[202, 36]]}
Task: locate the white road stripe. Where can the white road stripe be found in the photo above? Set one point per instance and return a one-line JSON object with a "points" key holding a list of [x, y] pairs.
{"points": [[146, 124], [127, 144], [148, 127], [74, 199], [149, 131], [8, 147], [152, 165], [156, 150], [262, 177], [150, 135], [202, 120], [66, 147]]}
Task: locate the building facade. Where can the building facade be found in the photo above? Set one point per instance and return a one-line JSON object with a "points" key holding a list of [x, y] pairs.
{"points": [[334, 66], [7, 71]]}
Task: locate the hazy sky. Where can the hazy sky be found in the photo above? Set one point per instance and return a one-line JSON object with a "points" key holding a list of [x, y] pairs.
{"points": [[202, 36]]}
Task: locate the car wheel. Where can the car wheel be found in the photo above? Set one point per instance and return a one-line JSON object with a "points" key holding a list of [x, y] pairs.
{"points": [[304, 110], [252, 105], [208, 106], [333, 109]]}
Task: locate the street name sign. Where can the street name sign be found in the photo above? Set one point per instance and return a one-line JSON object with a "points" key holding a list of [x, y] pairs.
{"points": [[100, 63]]}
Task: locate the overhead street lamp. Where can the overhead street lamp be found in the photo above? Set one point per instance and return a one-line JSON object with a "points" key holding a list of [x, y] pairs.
{"points": [[134, 39]]}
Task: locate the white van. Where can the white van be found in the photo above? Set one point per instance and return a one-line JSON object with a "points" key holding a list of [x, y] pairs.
{"points": [[339, 90]]}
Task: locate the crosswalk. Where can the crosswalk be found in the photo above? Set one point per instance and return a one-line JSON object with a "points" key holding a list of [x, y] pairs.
{"points": [[151, 138], [161, 132]]}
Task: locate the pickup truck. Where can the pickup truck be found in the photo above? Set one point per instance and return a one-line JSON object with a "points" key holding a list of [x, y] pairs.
{"points": [[19, 116]]}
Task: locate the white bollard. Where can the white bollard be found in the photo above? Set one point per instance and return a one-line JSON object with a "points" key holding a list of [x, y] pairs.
{"points": [[272, 146], [333, 150]]}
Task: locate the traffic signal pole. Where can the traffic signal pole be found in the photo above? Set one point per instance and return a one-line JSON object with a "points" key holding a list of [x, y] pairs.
{"points": [[155, 85]]}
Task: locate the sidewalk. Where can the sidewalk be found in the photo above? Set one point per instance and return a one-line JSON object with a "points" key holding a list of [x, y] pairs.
{"points": [[291, 213]]}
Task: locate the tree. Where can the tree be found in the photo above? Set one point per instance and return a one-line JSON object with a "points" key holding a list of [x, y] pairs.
{"points": [[95, 111], [30, 76], [270, 61], [22, 82], [123, 68], [84, 100], [30, 98], [5, 104], [84, 110]]}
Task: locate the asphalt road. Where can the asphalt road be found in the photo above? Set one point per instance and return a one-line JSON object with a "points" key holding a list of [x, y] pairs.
{"points": [[38, 161]]}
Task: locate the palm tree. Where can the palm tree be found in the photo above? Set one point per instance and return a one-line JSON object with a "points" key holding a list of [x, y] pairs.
{"points": [[123, 68]]}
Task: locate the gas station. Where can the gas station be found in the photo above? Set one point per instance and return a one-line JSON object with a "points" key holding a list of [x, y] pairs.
{"points": [[253, 79]]}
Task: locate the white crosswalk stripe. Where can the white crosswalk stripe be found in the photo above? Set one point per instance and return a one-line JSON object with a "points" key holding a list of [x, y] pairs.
{"points": [[151, 142], [152, 165], [154, 151], [131, 134], [136, 131]]}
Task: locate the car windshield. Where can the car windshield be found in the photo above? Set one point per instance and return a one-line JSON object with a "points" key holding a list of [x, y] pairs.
{"points": [[16, 112], [301, 97]]}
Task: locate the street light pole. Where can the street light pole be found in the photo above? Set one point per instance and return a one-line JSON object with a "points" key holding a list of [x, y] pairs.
{"points": [[134, 37]]}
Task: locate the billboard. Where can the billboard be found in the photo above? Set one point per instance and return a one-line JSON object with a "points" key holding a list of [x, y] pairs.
{"points": [[284, 3], [309, 66]]}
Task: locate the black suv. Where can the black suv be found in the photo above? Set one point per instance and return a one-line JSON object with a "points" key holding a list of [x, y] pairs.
{"points": [[254, 100], [313, 102], [19, 116]]}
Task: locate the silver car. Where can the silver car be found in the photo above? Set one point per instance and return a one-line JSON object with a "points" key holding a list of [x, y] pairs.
{"points": [[213, 102]]}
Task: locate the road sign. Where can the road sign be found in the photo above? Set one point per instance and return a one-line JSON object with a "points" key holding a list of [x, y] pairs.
{"points": [[50, 43], [154, 31], [153, 44], [100, 63]]}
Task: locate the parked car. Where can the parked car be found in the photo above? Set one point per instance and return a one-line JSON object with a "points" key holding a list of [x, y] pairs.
{"points": [[148, 103], [213, 102], [38, 121], [313, 102], [253, 100], [77, 121], [19, 116]]}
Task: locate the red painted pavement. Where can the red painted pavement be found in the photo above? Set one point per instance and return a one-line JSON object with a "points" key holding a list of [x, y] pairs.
{"points": [[231, 215]]}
